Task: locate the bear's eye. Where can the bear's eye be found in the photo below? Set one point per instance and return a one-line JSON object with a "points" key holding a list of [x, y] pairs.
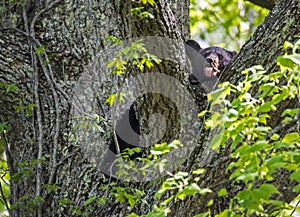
{"points": [[209, 60]]}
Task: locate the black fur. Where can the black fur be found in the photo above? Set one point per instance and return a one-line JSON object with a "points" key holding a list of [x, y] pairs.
{"points": [[208, 63], [127, 132]]}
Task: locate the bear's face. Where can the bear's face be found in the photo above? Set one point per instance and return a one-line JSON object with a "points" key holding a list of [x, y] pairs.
{"points": [[208, 63]]}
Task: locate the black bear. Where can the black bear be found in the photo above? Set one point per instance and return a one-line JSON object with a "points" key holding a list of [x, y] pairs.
{"points": [[208, 63], [126, 135], [127, 132]]}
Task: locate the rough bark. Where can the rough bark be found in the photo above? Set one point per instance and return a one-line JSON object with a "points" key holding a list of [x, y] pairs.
{"points": [[45, 47]]}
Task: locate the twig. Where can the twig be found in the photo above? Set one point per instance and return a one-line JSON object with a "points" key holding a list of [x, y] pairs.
{"points": [[39, 134], [281, 127], [47, 8]]}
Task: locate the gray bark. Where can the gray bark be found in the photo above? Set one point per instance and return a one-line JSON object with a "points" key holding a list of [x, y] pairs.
{"points": [[69, 35]]}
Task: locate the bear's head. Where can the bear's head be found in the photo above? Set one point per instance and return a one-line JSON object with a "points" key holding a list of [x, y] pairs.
{"points": [[208, 63]]}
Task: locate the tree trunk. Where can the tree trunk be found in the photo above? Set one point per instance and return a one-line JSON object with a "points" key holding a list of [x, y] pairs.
{"points": [[44, 52], [45, 48]]}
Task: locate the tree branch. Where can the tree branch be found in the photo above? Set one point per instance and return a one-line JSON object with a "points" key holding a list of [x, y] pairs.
{"points": [[269, 4]]}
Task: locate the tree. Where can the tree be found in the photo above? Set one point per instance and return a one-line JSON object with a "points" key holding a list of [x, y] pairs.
{"points": [[44, 53]]}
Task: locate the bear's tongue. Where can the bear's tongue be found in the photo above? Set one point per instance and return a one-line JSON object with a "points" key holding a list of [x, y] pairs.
{"points": [[208, 72]]}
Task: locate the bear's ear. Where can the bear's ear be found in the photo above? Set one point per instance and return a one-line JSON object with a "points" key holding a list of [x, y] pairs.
{"points": [[193, 44], [192, 50], [197, 61], [233, 53]]}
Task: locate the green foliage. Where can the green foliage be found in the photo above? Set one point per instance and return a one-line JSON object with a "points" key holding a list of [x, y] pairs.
{"points": [[120, 195], [27, 109], [179, 186], [4, 183], [257, 149], [114, 40], [134, 57], [183, 184], [224, 23], [26, 169], [151, 2], [6, 89], [112, 98], [152, 161], [141, 14], [40, 50], [240, 121]]}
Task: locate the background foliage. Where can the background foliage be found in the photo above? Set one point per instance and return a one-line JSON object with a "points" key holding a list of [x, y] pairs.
{"points": [[226, 23]]}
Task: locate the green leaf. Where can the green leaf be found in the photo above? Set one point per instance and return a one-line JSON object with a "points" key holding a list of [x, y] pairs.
{"points": [[267, 89], [113, 39], [120, 64], [65, 201], [295, 176], [291, 137], [275, 163], [111, 64], [199, 171], [149, 64], [205, 214], [297, 188], [277, 98], [290, 112], [218, 94], [38, 200], [284, 61], [225, 213], [3, 127], [40, 50], [266, 107], [90, 200], [205, 191], [222, 192], [263, 118], [275, 137], [132, 215], [295, 58], [287, 45], [257, 147], [216, 141], [210, 202], [11, 88], [151, 2], [102, 200], [266, 190], [111, 99], [214, 120], [192, 189], [180, 175], [131, 200]]}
